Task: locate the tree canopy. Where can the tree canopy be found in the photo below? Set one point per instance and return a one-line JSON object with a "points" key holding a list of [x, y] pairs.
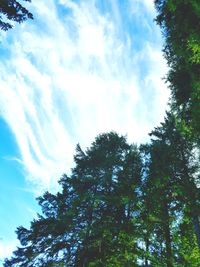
{"points": [[180, 23], [122, 205], [12, 10]]}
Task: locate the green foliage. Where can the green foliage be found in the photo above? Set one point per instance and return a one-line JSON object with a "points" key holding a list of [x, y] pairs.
{"points": [[12, 10], [121, 206], [171, 186], [180, 23], [186, 243], [194, 49], [90, 222]]}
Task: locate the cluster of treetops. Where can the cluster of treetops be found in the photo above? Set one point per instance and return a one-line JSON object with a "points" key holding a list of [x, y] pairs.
{"points": [[126, 205]]}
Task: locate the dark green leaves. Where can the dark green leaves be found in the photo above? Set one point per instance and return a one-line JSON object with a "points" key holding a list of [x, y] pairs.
{"points": [[180, 24], [121, 206], [91, 221]]}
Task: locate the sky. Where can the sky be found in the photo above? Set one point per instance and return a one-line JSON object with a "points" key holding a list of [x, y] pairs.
{"points": [[80, 68]]}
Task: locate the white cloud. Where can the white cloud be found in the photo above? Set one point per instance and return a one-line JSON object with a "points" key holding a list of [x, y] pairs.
{"points": [[71, 77], [148, 4], [6, 249]]}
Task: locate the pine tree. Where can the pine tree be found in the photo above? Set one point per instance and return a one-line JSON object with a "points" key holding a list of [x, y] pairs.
{"points": [[12, 10], [177, 166], [92, 221], [180, 23]]}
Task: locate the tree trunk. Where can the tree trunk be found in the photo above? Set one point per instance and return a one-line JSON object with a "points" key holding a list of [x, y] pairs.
{"points": [[196, 224], [167, 236], [168, 247], [191, 189], [147, 250]]}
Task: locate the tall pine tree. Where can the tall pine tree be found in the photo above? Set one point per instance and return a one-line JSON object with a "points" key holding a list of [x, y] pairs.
{"points": [[93, 220]]}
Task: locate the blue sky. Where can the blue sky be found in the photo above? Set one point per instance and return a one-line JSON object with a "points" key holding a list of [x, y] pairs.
{"points": [[78, 69]]}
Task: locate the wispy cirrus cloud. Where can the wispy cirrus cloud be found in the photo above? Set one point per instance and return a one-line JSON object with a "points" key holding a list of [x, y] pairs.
{"points": [[79, 69]]}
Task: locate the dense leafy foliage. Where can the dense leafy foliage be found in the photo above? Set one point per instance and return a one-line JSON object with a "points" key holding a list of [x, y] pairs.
{"points": [[91, 221], [174, 180], [180, 23], [12, 10], [121, 206]]}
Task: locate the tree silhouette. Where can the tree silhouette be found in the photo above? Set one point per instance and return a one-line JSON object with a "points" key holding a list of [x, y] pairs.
{"points": [[91, 222], [121, 206], [12, 10], [180, 23]]}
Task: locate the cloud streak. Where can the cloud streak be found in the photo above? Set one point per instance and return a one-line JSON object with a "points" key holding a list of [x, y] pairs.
{"points": [[6, 248], [77, 70]]}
